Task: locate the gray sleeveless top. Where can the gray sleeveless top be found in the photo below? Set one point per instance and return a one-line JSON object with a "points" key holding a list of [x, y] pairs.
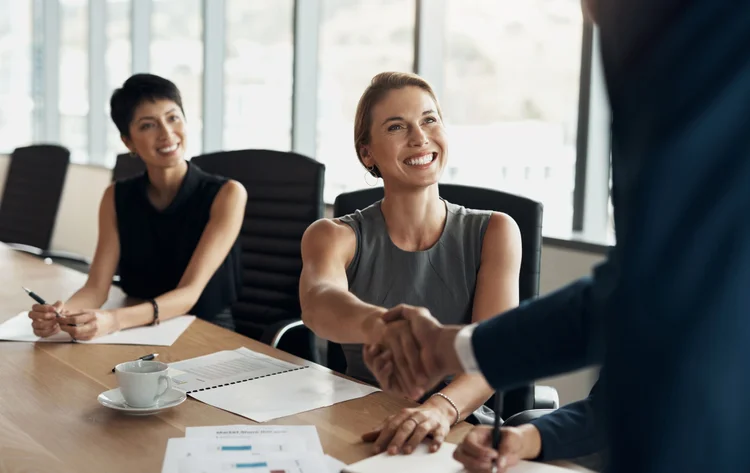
{"points": [[441, 278]]}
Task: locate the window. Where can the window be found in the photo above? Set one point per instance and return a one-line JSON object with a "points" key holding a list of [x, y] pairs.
{"points": [[510, 98], [16, 102], [74, 78], [177, 55], [118, 66], [358, 39], [258, 73]]}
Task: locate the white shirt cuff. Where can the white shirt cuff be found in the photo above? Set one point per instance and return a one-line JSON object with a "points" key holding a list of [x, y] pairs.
{"points": [[465, 350]]}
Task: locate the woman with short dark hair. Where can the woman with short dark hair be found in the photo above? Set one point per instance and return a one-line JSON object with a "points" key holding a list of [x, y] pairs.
{"points": [[170, 233]]}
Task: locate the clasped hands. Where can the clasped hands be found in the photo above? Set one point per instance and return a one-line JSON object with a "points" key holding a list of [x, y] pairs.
{"points": [[80, 325], [409, 351]]}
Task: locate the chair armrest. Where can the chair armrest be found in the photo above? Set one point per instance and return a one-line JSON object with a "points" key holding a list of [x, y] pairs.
{"points": [[65, 255], [546, 397], [292, 336], [525, 417], [273, 334], [69, 260], [28, 249]]}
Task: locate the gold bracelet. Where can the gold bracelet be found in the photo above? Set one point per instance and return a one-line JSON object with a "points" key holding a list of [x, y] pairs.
{"points": [[458, 411]]}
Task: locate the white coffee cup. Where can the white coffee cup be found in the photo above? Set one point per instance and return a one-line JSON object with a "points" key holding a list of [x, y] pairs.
{"points": [[143, 383]]}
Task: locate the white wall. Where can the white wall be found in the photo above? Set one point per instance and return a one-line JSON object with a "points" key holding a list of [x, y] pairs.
{"points": [[76, 225], [76, 231], [559, 267]]}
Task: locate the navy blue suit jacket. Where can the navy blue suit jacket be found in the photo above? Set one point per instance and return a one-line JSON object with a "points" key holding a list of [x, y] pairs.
{"points": [[668, 313], [571, 431]]}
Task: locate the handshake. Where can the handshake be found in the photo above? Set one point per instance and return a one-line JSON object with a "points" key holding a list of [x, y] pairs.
{"points": [[409, 351]]}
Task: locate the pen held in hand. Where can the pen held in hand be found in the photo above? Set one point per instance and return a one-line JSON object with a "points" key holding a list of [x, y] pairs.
{"points": [[496, 432], [39, 300]]}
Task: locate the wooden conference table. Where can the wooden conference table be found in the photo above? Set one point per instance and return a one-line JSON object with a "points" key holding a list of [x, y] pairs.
{"points": [[50, 419]]}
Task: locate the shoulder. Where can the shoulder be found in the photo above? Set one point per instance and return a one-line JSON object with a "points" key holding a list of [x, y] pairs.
{"points": [[328, 240], [328, 231], [232, 195], [502, 225], [109, 192], [502, 237], [107, 203]]}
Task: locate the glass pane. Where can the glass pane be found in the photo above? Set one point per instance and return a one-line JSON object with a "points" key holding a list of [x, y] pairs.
{"points": [[74, 77], [118, 65], [511, 98], [258, 73], [16, 102], [358, 39], [177, 55]]}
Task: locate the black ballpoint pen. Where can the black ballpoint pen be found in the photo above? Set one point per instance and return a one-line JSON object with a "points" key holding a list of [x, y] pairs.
{"points": [[148, 357], [496, 432], [39, 299]]}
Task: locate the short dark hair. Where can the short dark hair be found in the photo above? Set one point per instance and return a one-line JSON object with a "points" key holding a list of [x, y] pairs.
{"points": [[136, 90]]}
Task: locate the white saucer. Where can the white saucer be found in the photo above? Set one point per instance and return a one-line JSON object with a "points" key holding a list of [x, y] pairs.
{"points": [[114, 400]]}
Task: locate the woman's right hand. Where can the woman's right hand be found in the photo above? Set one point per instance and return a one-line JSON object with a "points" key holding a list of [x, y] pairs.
{"points": [[44, 319], [391, 344]]}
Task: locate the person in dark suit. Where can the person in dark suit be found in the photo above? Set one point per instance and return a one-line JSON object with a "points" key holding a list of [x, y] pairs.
{"points": [[666, 314]]}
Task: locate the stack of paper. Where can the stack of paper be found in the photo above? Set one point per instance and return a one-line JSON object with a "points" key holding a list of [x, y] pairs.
{"points": [[261, 449], [261, 387], [18, 329], [422, 460]]}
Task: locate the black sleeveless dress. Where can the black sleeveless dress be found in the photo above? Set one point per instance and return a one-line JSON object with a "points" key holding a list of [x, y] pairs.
{"points": [[156, 245]]}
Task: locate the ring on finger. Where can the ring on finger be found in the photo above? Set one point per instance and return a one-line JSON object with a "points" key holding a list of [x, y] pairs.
{"points": [[416, 422]]}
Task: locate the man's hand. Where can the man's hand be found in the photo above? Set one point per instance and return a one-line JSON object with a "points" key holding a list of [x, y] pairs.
{"points": [[518, 443]]}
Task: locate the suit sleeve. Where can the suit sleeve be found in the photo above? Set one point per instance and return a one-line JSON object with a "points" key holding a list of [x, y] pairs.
{"points": [[571, 431], [554, 334]]}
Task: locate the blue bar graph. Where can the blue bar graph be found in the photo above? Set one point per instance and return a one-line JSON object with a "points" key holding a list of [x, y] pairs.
{"points": [[251, 465]]}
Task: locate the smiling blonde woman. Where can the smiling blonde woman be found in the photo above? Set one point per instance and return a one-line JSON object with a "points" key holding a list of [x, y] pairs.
{"points": [[412, 247]]}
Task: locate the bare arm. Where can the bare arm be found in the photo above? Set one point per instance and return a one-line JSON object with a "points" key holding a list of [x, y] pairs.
{"points": [[328, 308], [496, 292], [227, 212]]}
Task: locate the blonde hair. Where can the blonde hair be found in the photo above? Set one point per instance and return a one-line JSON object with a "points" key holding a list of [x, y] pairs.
{"points": [[380, 85]]}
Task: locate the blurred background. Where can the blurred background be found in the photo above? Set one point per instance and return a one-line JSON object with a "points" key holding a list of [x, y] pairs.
{"points": [[519, 83]]}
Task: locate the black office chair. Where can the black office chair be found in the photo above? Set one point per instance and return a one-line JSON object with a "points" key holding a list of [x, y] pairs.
{"points": [[528, 215], [285, 195], [127, 166], [31, 200]]}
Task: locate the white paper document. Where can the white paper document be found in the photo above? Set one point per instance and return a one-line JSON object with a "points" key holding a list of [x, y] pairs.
{"points": [[297, 463], [334, 465], [180, 450], [307, 434], [256, 448], [261, 387], [227, 367], [283, 395], [18, 329], [421, 460]]}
